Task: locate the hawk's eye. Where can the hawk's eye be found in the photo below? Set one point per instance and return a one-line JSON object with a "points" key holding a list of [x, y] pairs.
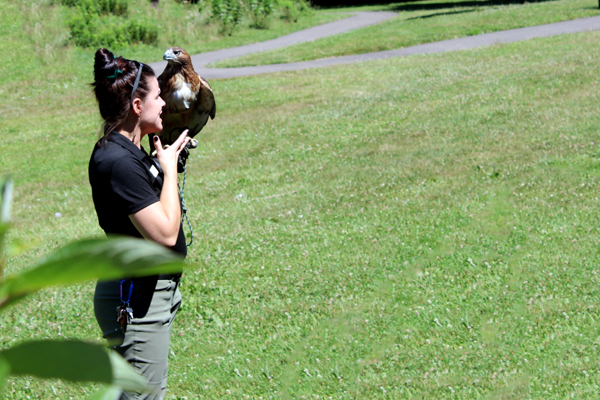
{"points": [[177, 52]]}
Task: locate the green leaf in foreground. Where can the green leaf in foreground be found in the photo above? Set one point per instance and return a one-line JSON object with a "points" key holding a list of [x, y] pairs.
{"points": [[4, 372], [70, 360], [6, 195], [6, 200], [108, 393], [85, 260], [124, 376], [74, 361]]}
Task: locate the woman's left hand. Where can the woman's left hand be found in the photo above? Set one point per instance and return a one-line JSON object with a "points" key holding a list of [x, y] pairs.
{"points": [[167, 158], [160, 221]]}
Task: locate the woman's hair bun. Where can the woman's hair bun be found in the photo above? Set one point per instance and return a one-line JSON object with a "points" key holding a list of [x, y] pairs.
{"points": [[105, 64], [114, 79]]}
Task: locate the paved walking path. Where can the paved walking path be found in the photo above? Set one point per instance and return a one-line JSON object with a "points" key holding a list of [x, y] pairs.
{"points": [[360, 20]]}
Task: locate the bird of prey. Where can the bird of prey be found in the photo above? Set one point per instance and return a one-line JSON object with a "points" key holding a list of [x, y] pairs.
{"points": [[189, 98]]}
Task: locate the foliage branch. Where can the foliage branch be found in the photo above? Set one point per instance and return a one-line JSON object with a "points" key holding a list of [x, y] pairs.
{"points": [[95, 23], [260, 11], [227, 13], [108, 23]]}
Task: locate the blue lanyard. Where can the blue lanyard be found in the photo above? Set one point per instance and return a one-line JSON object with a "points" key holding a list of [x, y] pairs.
{"points": [[130, 291]]}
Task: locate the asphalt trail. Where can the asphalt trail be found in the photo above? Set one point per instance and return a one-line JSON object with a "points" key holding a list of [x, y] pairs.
{"points": [[361, 20]]}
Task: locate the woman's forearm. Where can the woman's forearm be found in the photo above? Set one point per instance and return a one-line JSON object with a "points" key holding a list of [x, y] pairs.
{"points": [[160, 221]]}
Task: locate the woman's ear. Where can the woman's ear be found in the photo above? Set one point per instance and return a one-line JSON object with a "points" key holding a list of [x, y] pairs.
{"points": [[136, 105]]}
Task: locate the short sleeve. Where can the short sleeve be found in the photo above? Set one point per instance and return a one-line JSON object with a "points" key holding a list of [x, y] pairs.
{"points": [[131, 185]]}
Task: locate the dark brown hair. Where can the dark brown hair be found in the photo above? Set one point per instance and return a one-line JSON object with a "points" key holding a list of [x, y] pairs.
{"points": [[113, 83]]}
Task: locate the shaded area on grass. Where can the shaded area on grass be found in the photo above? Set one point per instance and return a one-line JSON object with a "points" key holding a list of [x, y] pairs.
{"points": [[410, 6], [419, 5], [440, 14]]}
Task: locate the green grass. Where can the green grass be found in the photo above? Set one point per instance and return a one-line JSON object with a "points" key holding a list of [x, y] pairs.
{"points": [[425, 22], [426, 231]]}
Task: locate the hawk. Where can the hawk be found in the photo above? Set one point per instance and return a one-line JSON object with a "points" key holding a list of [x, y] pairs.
{"points": [[189, 98]]}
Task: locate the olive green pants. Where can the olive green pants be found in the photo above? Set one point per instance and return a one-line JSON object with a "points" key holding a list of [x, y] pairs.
{"points": [[145, 343]]}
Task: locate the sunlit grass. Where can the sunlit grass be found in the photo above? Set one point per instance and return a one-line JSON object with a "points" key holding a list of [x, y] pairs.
{"points": [[413, 227]]}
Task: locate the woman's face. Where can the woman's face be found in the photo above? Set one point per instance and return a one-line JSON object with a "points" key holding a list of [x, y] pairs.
{"points": [[150, 121]]}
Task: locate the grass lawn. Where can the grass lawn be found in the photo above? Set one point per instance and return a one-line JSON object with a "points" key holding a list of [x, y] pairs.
{"points": [[429, 230], [425, 22]]}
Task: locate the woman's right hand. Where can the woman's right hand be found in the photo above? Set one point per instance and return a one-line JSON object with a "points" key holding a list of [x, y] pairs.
{"points": [[167, 158]]}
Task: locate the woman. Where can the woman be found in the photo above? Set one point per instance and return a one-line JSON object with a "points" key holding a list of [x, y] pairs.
{"points": [[133, 196]]}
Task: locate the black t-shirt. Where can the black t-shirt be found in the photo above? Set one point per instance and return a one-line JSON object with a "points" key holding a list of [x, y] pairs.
{"points": [[124, 181]]}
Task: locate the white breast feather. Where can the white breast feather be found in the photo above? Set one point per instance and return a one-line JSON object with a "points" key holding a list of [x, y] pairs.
{"points": [[182, 96]]}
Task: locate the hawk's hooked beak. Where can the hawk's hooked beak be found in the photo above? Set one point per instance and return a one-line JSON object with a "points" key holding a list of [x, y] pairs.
{"points": [[168, 55]]}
